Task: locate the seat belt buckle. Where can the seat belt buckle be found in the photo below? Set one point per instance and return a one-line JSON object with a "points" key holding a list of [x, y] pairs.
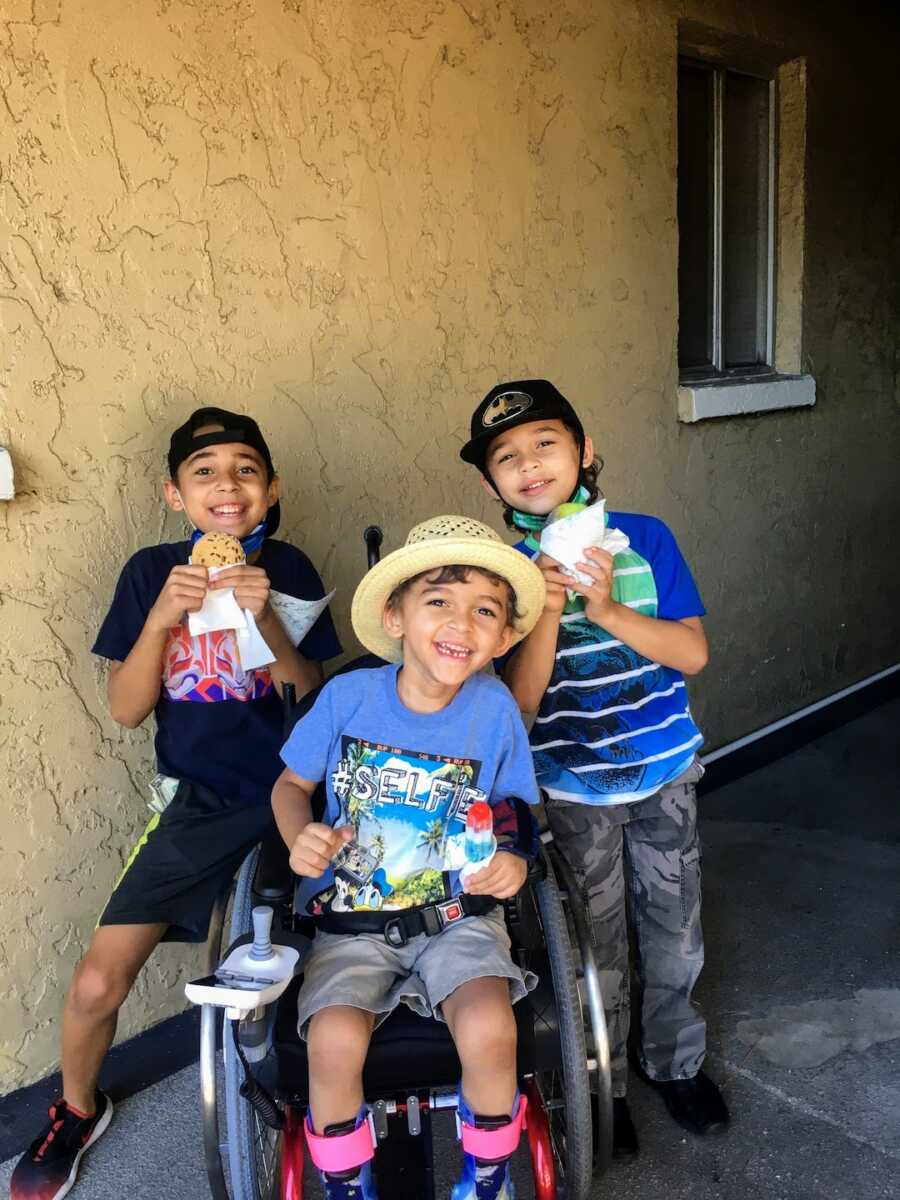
{"points": [[447, 913]]}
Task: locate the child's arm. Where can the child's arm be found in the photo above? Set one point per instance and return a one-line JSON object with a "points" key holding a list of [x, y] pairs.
{"points": [[312, 844], [678, 644], [528, 671], [501, 878], [251, 591], [134, 684], [514, 796], [517, 837]]}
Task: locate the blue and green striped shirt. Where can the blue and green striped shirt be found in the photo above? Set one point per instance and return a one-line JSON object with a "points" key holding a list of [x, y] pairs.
{"points": [[614, 727]]}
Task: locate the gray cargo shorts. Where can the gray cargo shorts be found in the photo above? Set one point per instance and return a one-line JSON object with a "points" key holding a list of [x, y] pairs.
{"points": [[364, 971]]}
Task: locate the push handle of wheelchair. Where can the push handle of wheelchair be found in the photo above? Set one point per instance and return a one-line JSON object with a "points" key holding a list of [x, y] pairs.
{"points": [[288, 704], [373, 537]]}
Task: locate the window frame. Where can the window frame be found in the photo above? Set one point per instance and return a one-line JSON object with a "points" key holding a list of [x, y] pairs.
{"points": [[715, 371]]}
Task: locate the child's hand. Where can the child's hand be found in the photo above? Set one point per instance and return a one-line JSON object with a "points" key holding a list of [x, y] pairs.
{"points": [[183, 591], [597, 595], [316, 846], [556, 580], [501, 878], [251, 587]]}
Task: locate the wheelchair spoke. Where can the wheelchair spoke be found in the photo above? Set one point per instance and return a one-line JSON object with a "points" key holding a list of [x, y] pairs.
{"points": [[268, 1158]]}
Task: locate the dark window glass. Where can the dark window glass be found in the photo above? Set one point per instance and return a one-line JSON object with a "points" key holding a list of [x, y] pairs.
{"points": [[695, 216], [724, 235], [745, 220]]}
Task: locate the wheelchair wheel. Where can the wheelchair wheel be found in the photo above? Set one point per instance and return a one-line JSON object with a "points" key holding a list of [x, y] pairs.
{"points": [[565, 1088], [254, 1148], [588, 976]]}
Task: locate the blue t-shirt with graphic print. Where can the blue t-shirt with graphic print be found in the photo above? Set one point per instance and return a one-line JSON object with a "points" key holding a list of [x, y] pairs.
{"points": [[613, 726], [217, 724], [405, 781]]}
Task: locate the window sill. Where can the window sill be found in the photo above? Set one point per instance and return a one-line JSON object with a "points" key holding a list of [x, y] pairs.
{"points": [[701, 401]]}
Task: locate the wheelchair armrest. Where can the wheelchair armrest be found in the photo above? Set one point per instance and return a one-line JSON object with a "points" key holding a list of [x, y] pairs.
{"points": [[274, 880]]}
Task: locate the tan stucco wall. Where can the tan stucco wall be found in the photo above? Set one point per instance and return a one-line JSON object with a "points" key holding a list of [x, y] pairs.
{"points": [[352, 219]]}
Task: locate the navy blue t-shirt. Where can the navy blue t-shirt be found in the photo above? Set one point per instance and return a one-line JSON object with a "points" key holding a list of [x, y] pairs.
{"points": [[217, 724]]}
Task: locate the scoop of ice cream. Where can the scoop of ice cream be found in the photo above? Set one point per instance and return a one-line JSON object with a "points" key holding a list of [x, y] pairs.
{"points": [[566, 510], [218, 550]]}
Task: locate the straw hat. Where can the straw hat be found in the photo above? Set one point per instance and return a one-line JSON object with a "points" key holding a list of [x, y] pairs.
{"points": [[442, 542]]}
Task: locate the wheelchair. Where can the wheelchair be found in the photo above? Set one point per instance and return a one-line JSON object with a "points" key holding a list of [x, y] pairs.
{"points": [[256, 1149]]}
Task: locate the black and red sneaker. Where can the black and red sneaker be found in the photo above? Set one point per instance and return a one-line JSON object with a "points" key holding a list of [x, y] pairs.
{"points": [[48, 1168]]}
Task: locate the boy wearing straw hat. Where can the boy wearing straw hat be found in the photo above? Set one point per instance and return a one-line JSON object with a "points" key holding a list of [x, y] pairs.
{"points": [[406, 750]]}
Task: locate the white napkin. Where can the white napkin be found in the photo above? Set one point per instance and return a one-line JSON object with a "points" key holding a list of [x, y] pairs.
{"points": [[455, 858], [298, 616], [220, 610], [567, 539]]}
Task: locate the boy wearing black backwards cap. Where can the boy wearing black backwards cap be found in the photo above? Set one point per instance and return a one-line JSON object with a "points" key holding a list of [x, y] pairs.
{"points": [[217, 743], [614, 742]]}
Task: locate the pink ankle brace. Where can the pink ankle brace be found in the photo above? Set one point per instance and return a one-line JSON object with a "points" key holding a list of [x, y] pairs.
{"points": [[494, 1144], [341, 1153]]}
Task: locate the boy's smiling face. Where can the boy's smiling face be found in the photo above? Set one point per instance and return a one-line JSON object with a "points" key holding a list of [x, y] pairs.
{"points": [[450, 630], [223, 488], [536, 466]]}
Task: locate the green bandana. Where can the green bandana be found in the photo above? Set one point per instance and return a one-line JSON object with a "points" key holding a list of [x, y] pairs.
{"points": [[529, 521]]}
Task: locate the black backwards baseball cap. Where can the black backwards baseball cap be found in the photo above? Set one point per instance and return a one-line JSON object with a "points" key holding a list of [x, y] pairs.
{"points": [[511, 404], [235, 428]]}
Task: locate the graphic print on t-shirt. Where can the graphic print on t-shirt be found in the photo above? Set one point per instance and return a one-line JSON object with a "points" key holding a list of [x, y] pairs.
{"points": [[207, 668], [408, 811]]}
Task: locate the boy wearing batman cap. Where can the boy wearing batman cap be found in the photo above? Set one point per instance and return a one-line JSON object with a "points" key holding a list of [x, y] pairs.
{"points": [[217, 744], [614, 741]]}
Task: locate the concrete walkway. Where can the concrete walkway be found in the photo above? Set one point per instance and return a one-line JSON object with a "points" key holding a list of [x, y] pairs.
{"points": [[801, 990]]}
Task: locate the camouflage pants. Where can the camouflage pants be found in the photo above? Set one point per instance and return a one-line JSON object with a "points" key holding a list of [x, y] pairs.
{"points": [[643, 858]]}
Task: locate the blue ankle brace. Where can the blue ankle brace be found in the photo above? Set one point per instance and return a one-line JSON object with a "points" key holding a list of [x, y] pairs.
{"points": [[483, 1179]]}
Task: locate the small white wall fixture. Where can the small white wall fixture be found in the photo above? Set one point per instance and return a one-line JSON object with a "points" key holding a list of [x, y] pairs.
{"points": [[7, 483]]}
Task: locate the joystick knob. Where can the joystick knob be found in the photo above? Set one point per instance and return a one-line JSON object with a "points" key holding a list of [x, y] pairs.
{"points": [[261, 950]]}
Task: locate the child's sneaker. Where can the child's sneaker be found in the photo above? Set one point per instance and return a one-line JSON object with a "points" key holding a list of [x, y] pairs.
{"points": [[483, 1181], [49, 1167], [357, 1185]]}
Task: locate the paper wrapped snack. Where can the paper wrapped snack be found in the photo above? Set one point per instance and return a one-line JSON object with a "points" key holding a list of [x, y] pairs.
{"points": [[217, 552], [574, 528]]}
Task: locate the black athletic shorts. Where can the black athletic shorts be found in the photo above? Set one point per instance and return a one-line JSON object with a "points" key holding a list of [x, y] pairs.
{"points": [[184, 861]]}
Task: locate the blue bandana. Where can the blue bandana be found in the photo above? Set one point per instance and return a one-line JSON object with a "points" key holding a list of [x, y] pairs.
{"points": [[249, 544]]}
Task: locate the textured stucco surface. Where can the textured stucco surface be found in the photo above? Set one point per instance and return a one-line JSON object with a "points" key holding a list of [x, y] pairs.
{"points": [[353, 219]]}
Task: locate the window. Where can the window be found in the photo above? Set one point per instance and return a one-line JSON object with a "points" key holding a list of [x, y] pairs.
{"points": [[726, 205]]}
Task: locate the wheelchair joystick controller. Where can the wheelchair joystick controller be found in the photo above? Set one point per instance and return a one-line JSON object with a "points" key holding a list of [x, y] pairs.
{"points": [[261, 950], [252, 975]]}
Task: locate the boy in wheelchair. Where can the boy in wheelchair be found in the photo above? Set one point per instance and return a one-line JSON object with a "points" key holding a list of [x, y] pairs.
{"points": [[405, 751]]}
